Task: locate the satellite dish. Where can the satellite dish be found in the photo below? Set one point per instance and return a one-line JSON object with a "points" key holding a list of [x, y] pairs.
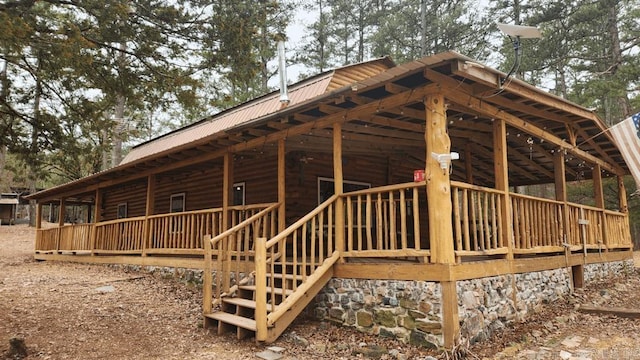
{"points": [[523, 32], [515, 33]]}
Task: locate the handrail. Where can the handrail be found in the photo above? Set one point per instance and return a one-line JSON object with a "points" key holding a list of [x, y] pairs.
{"points": [[182, 213], [116, 221], [293, 227], [242, 224], [376, 190], [529, 197], [464, 185]]}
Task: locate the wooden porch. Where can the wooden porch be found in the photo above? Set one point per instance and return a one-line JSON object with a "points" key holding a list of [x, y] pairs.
{"points": [[387, 225], [466, 219]]}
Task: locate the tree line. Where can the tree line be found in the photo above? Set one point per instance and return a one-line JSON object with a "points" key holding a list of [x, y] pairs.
{"points": [[82, 80]]}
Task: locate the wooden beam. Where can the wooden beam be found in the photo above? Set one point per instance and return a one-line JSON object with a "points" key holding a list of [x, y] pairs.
{"points": [[282, 189], [528, 91], [468, 164], [227, 188], [450, 321], [501, 171], [598, 191], [437, 181], [313, 123], [149, 208], [459, 93], [622, 196], [338, 187]]}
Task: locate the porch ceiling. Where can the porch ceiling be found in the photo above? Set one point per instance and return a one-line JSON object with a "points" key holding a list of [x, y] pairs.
{"points": [[384, 115]]}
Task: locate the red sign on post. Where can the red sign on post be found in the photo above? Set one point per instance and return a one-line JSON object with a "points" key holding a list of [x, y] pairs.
{"points": [[418, 175]]}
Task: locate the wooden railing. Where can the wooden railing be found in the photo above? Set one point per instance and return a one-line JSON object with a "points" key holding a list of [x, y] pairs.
{"points": [[75, 237], [182, 232], [47, 239], [302, 254], [120, 236], [538, 224], [233, 249], [386, 221], [617, 225], [477, 220]]}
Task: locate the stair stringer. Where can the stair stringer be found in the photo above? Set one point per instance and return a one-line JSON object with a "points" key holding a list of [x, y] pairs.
{"points": [[285, 320]]}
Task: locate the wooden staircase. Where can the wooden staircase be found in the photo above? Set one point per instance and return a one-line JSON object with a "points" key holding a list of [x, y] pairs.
{"points": [[237, 313], [276, 275]]}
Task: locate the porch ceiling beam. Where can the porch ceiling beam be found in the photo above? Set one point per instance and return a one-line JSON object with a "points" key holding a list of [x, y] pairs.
{"points": [[492, 79], [369, 130], [524, 172], [459, 93], [317, 123], [484, 141], [394, 123]]}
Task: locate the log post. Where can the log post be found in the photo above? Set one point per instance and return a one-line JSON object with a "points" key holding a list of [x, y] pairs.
{"points": [[622, 196], [224, 251], [38, 225], [598, 196], [97, 217], [440, 210], [261, 289], [61, 215], [207, 280], [501, 169], [282, 189], [149, 207], [338, 186]]}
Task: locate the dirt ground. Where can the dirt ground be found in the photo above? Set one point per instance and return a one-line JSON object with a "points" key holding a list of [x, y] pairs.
{"points": [[76, 311]]}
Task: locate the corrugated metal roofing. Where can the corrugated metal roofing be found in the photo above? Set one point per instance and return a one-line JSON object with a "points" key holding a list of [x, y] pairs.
{"points": [[257, 108]]}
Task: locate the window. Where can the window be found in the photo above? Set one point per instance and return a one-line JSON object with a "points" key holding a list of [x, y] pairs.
{"points": [[238, 194], [177, 203], [122, 211], [326, 187]]}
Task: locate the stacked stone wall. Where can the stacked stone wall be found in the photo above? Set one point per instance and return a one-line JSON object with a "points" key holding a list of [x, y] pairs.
{"points": [[411, 311]]}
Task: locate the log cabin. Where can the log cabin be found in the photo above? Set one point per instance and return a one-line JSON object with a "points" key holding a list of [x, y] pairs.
{"points": [[384, 197]]}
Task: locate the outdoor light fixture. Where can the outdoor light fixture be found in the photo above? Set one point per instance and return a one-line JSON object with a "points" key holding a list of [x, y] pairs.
{"points": [[515, 33], [445, 159]]}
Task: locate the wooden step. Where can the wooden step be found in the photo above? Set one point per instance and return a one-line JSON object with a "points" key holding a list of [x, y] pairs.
{"points": [[246, 303], [235, 320], [277, 291]]}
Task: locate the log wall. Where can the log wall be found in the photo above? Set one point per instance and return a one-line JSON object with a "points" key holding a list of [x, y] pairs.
{"points": [[134, 194]]}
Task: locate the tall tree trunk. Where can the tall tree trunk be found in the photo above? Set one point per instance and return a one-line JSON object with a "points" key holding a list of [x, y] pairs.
{"points": [[616, 57], [118, 130], [32, 173]]}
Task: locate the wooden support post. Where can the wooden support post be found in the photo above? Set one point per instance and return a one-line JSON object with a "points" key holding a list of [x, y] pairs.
{"points": [[468, 160], [577, 273], [501, 169], [261, 289], [61, 215], [38, 225], [440, 209], [437, 180], [560, 183], [338, 189], [97, 217], [207, 280], [282, 189], [622, 196], [224, 247], [450, 321], [149, 208], [598, 196]]}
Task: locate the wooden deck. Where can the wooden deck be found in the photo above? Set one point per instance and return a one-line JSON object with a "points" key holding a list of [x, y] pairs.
{"points": [[273, 273]]}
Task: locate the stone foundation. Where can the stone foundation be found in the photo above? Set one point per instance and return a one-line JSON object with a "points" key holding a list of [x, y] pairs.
{"points": [[411, 311], [406, 310]]}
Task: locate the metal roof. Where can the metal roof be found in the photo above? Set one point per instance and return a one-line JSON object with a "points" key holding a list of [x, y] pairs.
{"points": [[254, 109]]}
